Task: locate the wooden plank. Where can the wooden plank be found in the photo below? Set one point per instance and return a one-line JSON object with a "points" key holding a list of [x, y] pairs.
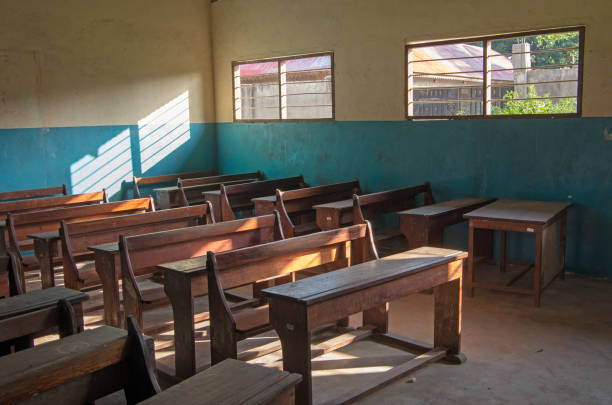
{"points": [[539, 212], [313, 289], [227, 383], [444, 207], [38, 299], [33, 193]]}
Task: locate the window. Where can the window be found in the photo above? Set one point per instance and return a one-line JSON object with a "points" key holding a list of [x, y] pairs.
{"points": [[534, 74], [291, 88]]}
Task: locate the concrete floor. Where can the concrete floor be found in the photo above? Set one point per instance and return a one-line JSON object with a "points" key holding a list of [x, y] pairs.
{"points": [[560, 353]]}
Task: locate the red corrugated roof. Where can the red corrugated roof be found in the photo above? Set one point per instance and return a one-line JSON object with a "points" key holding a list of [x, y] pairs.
{"points": [[443, 65], [293, 65]]}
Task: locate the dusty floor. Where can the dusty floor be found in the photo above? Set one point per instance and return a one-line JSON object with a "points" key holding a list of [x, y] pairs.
{"points": [[560, 353]]}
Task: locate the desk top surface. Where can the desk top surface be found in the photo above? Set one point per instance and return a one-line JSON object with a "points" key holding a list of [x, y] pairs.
{"points": [[110, 247], [446, 206], [268, 198], [336, 205], [39, 299], [344, 281], [189, 266], [539, 212], [48, 236]]}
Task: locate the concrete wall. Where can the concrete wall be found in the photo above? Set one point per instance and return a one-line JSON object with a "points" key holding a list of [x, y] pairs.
{"points": [[93, 92], [562, 159]]}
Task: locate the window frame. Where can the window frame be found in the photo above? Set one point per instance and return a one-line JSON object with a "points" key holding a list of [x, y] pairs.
{"points": [[581, 33], [280, 95]]}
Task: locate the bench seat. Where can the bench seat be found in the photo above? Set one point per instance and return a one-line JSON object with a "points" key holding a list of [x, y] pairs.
{"points": [[252, 319]]}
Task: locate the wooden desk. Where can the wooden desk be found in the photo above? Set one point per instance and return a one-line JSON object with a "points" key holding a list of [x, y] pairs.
{"points": [[424, 226], [335, 214], [296, 309], [165, 196], [214, 196], [264, 205], [539, 217], [46, 251], [107, 261]]}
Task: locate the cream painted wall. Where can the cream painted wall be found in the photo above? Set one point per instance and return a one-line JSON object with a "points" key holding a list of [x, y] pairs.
{"points": [[368, 38], [111, 62]]}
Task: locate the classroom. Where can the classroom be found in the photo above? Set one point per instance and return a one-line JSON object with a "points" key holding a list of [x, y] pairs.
{"points": [[305, 202]]}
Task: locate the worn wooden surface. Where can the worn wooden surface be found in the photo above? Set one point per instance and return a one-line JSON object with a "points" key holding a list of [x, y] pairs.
{"points": [[33, 193], [540, 212], [298, 308], [264, 205], [232, 382], [55, 370]]}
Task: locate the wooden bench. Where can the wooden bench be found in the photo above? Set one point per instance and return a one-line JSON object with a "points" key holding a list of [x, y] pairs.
{"points": [[232, 382], [81, 272], [336, 249], [33, 193], [190, 191], [298, 216], [39, 204], [424, 226], [237, 197], [298, 309], [27, 315], [43, 228], [141, 254], [82, 368], [370, 206], [166, 179]]}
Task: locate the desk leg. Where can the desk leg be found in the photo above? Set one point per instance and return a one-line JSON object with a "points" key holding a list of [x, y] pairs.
{"points": [[290, 320], [106, 267], [502, 252], [45, 252], [563, 244], [470, 260], [447, 319], [537, 270], [178, 290], [415, 229]]}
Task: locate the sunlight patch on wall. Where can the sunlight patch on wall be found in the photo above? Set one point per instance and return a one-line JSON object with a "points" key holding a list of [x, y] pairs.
{"points": [[111, 166], [163, 131]]}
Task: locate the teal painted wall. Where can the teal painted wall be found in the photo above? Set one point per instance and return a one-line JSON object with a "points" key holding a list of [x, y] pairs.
{"points": [[90, 158], [539, 159]]}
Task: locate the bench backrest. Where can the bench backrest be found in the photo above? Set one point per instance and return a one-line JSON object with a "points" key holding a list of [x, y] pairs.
{"points": [[78, 236], [71, 370], [340, 247], [39, 204], [368, 206], [190, 190], [20, 225], [297, 204], [238, 196], [141, 253], [166, 178], [33, 193]]}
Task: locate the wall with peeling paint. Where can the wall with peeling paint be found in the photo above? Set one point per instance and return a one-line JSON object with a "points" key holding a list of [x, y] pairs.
{"points": [[75, 75], [561, 159]]}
